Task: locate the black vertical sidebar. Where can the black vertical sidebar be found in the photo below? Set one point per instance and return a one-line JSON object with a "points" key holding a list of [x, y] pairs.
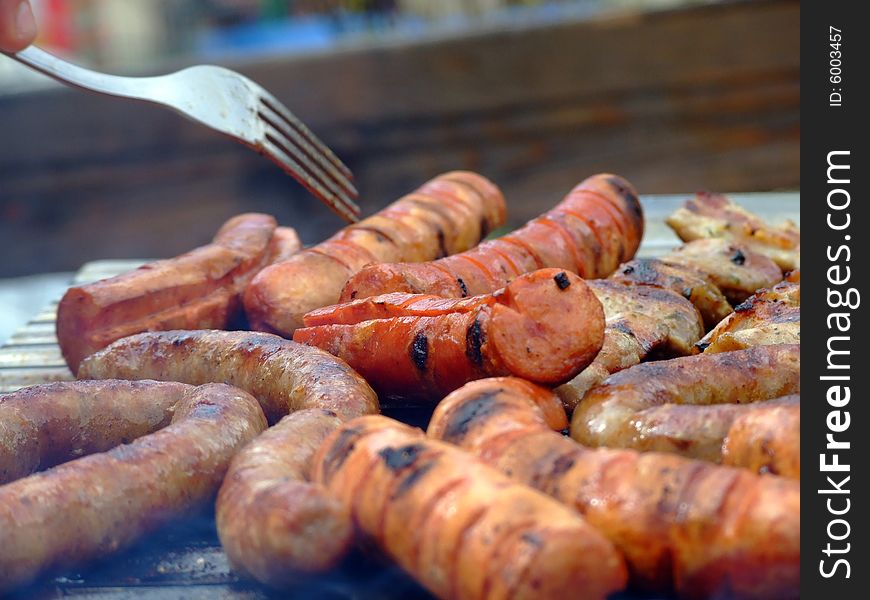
{"points": [[835, 362]]}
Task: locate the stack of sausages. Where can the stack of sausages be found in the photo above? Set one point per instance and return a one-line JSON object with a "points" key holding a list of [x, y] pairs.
{"points": [[249, 370]]}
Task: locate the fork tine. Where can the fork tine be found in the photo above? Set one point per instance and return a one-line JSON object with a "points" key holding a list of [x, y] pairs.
{"points": [[291, 120], [344, 208], [336, 194], [313, 160]]}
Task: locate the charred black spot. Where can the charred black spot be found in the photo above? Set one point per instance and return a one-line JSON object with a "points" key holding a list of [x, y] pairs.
{"points": [[622, 327], [702, 345], [397, 459], [339, 451], [353, 295], [474, 343], [687, 293], [739, 258], [562, 280], [533, 539], [462, 287], [467, 413], [744, 306], [416, 474], [630, 198], [420, 350], [442, 246], [628, 270]]}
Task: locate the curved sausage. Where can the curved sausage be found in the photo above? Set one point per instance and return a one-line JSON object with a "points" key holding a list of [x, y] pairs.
{"points": [[459, 527], [197, 290], [605, 416], [545, 326], [283, 375], [598, 225], [699, 529], [273, 523], [98, 504], [45, 425], [448, 214]]}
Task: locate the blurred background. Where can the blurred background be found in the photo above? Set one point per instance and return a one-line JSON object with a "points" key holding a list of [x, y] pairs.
{"points": [[675, 95]]}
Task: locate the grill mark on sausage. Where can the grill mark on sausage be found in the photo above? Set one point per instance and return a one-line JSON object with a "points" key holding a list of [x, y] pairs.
{"points": [[397, 459], [416, 473], [462, 287], [420, 350], [460, 420], [474, 343]]}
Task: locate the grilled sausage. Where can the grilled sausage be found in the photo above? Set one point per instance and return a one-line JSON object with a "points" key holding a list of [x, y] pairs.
{"points": [[283, 375], [699, 529], [605, 416], [273, 523], [762, 436], [449, 214], [545, 326], [628, 339], [198, 290], [597, 226], [460, 528], [98, 504], [767, 439], [45, 425]]}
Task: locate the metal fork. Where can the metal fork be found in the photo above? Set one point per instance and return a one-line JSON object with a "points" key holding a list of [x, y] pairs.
{"points": [[231, 104]]}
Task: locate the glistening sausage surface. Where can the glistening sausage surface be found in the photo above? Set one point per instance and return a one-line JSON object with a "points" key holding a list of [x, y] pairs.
{"points": [[459, 527], [701, 530], [545, 326], [98, 504], [598, 225], [283, 375], [197, 290], [604, 417], [274, 524], [448, 214]]}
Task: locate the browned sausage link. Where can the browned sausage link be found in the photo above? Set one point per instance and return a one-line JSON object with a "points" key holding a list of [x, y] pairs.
{"points": [[702, 432], [448, 214], [604, 418], [272, 522], [545, 326], [285, 243], [45, 425], [597, 226], [197, 290], [628, 339], [95, 505], [700, 529], [767, 439], [283, 375], [460, 528]]}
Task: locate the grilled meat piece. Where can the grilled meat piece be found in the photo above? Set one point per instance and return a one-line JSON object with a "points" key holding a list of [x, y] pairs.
{"points": [[628, 339], [716, 216], [688, 281], [683, 320], [732, 267], [769, 317]]}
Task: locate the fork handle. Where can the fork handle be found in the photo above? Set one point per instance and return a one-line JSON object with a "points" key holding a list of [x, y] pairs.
{"points": [[76, 76]]}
